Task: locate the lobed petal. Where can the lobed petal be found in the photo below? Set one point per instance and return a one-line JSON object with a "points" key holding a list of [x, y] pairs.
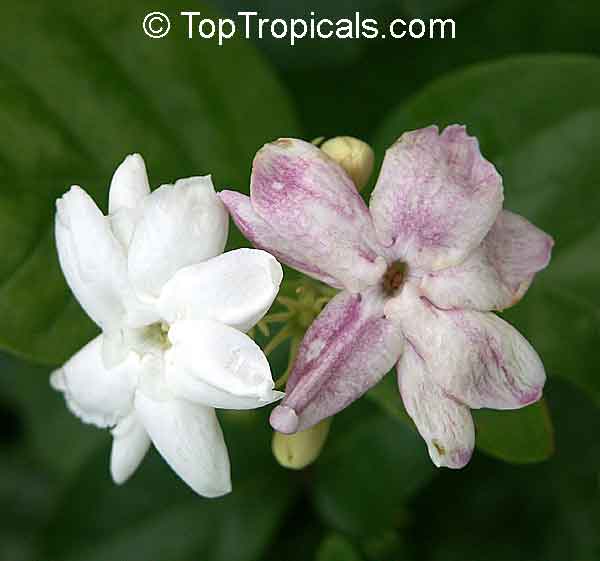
{"points": [[93, 393], [436, 197], [130, 444], [180, 225], [129, 186], [263, 236], [445, 424], [476, 357], [218, 366], [318, 214], [498, 273], [236, 288], [346, 351], [189, 438], [92, 260]]}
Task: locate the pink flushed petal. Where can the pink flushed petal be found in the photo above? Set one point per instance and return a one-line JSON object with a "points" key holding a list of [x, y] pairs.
{"points": [[346, 351], [498, 273], [445, 424], [436, 197], [316, 211], [476, 357], [255, 229]]}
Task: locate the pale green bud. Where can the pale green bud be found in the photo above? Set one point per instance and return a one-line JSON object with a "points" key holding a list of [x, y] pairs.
{"points": [[296, 451], [354, 155]]}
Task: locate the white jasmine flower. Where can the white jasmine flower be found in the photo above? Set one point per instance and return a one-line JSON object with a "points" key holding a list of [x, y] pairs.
{"points": [[172, 308]]}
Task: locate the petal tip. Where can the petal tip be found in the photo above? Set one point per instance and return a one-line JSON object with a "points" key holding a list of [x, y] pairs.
{"points": [[118, 477], [284, 419], [532, 396], [57, 380], [452, 459]]}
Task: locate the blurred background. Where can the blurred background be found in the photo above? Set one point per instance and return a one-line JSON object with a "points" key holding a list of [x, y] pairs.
{"points": [[81, 86]]}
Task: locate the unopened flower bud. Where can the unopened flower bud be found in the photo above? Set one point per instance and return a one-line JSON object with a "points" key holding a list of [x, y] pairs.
{"points": [[354, 155], [296, 451]]}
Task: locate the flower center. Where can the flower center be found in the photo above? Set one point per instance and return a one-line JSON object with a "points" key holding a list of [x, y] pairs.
{"points": [[152, 339], [394, 278]]}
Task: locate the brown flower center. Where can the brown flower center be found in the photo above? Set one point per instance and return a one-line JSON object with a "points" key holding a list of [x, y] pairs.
{"points": [[394, 278]]}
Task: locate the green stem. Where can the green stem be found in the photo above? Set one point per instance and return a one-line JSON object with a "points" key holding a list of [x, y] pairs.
{"points": [[294, 346], [281, 336]]}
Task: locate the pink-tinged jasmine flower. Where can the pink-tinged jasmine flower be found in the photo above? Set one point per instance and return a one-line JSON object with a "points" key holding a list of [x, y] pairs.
{"points": [[173, 309], [421, 272]]}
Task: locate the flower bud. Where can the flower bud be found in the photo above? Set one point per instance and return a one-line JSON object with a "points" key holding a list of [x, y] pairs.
{"points": [[296, 451], [354, 155]]}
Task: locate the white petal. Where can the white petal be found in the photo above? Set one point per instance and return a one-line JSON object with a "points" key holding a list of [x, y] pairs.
{"points": [[91, 258], [445, 424], [181, 225], [189, 438], [96, 395], [130, 444], [123, 223], [476, 357], [216, 365], [436, 197], [236, 288], [114, 348], [129, 185], [497, 274]]}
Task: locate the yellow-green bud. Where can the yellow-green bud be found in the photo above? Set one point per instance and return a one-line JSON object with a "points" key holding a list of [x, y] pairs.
{"points": [[354, 155], [296, 451]]}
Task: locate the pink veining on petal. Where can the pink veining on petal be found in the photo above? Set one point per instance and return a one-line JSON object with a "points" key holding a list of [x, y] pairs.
{"points": [[436, 197], [284, 419], [477, 357], [497, 274], [518, 250], [263, 236], [320, 218], [445, 424], [348, 348]]}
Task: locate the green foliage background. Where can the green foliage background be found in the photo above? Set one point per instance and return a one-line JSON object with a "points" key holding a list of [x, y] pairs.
{"points": [[81, 86]]}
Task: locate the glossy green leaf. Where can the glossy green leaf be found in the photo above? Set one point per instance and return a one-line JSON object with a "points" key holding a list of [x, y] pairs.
{"points": [[88, 89], [371, 466], [159, 518], [52, 435], [499, 512], [538, 120], [336, 547], [522, 436]]}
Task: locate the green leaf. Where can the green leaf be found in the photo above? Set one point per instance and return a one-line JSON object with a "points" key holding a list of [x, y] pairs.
{"points": [[371, 465], [537, 119], [522, 436], [57, 440], [62, 466], [159, 518], [336, 547], [27, 493], [386, 396], [90, 88]]}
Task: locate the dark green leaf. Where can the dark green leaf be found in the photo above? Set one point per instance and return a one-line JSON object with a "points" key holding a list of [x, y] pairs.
{"points": [[538, 119], [155, 516], [386, 395], [58, 441], [371, 465], [521, 436], [336, 547], [90, 88]]}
